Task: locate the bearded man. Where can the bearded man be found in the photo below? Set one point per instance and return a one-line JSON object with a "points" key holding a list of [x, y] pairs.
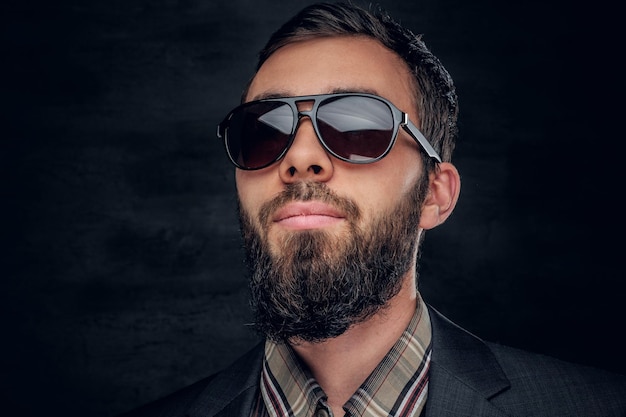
{"points": [[342, 148]]}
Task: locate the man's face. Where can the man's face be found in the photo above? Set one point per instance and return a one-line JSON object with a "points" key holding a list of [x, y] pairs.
{"points": [[330, 239]]}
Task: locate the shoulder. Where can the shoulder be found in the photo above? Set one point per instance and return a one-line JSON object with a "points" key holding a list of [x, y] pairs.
{"points": [[469, 372], [232, 388], [545, 383], [173, 405]]}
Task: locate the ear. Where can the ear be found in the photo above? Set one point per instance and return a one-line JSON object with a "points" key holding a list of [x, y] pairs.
{"points": [[443, 193]]}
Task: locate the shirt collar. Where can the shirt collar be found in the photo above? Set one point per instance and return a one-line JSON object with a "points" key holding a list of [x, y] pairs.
{"points": [[396, 387]]}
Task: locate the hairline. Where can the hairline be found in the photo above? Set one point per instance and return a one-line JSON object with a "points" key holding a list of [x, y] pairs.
{"points": [[414, 91]]}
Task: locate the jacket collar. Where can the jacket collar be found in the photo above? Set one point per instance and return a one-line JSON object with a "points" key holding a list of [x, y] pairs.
{"points": [[233, 391], [464, 368]]}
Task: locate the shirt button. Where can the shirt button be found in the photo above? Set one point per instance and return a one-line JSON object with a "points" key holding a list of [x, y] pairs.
{"points": [[322, 412]]}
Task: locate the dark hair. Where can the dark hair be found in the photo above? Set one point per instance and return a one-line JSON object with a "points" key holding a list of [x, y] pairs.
{"points": [[434, 89]]}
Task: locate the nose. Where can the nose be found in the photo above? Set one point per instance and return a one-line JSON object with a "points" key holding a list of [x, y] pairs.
{"points": [[306, 159]]}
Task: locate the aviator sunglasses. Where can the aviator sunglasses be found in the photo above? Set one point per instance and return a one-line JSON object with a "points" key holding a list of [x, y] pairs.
{"points": [[353, 127]]}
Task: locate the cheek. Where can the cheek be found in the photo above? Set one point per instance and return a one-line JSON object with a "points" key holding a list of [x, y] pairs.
{"points": [[245, 193], [253, 189], [379, 187], [374, 202]]}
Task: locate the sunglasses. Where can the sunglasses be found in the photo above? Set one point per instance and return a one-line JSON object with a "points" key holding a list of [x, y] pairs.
{"points": [[353, 127]]}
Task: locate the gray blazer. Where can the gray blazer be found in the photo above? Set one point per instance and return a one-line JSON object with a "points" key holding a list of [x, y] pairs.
{"points": [[468, 377]]}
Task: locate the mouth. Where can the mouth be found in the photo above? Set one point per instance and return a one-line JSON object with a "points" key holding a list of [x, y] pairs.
{"points": [[303, 215]]}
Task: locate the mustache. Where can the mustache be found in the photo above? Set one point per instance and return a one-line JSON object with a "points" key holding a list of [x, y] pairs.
{"points": [[309, 191]]}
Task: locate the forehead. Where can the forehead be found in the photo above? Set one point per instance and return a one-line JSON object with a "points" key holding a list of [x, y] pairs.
{"points": [[324, 65]]}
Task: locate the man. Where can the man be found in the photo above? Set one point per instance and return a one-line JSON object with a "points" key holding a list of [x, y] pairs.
{"points": [[342, 149]]}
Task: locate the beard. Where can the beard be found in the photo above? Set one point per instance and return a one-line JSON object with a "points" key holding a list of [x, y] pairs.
{"points": [[312, 285]]}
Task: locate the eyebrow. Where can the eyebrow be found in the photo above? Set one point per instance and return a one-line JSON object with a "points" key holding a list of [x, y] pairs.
{"points": [[280, 94]]}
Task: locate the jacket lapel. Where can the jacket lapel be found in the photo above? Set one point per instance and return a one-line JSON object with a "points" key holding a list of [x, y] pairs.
{"points": [[234, 391], [463, 369]]}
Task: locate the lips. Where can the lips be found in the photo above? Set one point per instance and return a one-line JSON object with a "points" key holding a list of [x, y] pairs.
{"points": [[307, 215]]}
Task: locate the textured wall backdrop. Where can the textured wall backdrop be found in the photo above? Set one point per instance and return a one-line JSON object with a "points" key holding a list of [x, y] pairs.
{"points": [[123, 277]]}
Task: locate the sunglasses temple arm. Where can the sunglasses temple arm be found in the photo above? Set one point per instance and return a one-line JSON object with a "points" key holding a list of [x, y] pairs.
{"points": [[412, 130]]}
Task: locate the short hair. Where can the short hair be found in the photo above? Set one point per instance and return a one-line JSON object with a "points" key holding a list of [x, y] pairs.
{"points": [[434, 89]]}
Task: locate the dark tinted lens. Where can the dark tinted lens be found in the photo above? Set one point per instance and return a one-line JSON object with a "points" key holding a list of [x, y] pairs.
{"points": [[356, 128], [258, 133]]}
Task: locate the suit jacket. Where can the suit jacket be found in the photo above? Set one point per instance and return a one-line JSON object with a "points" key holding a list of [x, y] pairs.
{"points": [[468, 377]]}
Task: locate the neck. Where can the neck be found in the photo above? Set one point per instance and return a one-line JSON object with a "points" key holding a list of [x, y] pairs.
{"points": [[340, 365]]}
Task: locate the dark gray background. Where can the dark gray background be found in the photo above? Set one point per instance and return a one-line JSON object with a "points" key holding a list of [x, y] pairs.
{"points": [[122, 273]]}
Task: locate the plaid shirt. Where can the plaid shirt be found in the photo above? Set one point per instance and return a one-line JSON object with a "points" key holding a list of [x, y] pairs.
{"points": [[397, 387]]}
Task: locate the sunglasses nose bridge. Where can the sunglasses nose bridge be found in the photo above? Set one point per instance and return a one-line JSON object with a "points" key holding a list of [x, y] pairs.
{"points": [[302, 114], [305, 113]]}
